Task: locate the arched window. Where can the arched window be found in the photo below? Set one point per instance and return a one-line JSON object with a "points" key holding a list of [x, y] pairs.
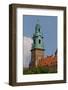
{"points": [[34, 41], [39, 29], [39, 41]]}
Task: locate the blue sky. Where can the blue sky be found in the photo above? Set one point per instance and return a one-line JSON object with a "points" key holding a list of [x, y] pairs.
{"points": [[48, 27]]}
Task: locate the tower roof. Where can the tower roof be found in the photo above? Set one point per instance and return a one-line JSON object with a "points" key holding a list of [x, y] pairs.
{"points": [[38, 38], [38, 31]]}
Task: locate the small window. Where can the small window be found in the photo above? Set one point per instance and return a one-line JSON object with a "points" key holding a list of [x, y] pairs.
{"points": [[34, 41], [39, 41], [39, 29]]}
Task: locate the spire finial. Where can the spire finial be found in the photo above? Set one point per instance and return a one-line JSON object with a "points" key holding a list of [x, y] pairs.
{"points": [[37, 21]]}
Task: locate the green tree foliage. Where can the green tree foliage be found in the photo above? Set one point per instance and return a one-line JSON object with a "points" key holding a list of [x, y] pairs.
{"points": [[36, 70]]}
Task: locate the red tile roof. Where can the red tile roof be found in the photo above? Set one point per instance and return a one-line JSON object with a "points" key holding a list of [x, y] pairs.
{"points": [[48, 61]]}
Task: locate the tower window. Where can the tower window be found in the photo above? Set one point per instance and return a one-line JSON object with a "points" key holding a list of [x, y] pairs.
{"points": [[39, 29], [34, 41], [39, 41]]}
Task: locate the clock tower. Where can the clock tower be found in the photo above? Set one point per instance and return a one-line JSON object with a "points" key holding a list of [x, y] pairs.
{"points": [[37, 51]]}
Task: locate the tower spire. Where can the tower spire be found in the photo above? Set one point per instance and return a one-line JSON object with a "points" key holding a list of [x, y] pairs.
{"points": [[37, 21], [38, 37]]}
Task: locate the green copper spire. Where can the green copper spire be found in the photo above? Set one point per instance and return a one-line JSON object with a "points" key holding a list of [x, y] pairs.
{"points": [[38, 38]]}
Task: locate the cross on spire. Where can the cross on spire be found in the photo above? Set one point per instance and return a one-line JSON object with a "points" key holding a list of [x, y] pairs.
{"points": [[37, 21]]}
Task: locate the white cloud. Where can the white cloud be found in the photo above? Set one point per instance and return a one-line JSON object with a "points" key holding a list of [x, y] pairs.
{"points": [[27, 51]]}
